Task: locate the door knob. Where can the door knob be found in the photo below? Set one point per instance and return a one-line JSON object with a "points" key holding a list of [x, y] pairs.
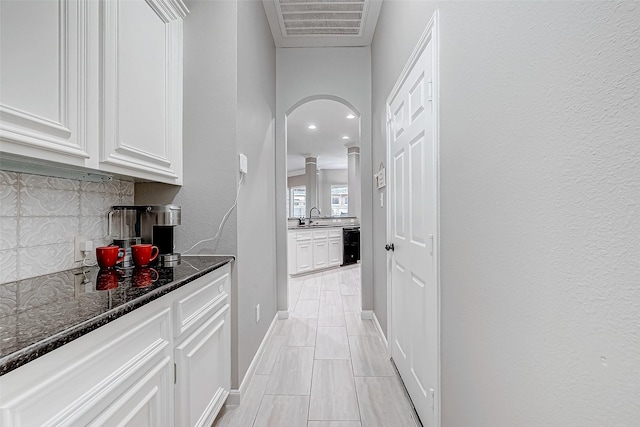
{"points": [[389, 247]]}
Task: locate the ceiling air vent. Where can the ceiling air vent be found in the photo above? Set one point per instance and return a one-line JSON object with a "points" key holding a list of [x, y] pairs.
{"points": [[322, 17]]}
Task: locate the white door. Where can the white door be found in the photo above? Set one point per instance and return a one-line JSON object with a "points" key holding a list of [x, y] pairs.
{"points": [[412, 208]]}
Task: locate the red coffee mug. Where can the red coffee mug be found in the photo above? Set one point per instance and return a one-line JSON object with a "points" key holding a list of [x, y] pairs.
{"points": [[144, 276], [109, 256], [143, 254], [107, 279]]}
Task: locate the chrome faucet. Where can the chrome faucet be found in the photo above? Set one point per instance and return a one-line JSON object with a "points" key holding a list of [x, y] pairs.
{"points": [[311, 210]]}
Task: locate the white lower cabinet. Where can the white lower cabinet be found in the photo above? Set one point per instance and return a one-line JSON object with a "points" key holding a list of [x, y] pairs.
{"points": [[311, 250], [123, 372], [304, 252], [335, 251]]}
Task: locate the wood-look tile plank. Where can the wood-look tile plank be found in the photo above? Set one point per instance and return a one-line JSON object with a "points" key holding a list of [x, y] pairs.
{"points": [[246, 412], [291, 374], [225, 415], [310, 292], [334, 424], [268, 359], [333, 393], [358, 326], [369, 357], [299, 332], [330, 298], [383, 402], [331, 315], [348, 290], [282, 411], [332, 343], [352, 303], [306, 309]]}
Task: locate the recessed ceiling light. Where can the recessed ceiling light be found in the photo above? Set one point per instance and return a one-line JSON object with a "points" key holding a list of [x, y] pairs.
{"points": [[345, 137], [351, 116], [312, 127]]}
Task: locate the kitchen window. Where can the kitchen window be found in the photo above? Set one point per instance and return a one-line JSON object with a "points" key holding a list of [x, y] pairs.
{"points": [[339, 200], [297, 201]]}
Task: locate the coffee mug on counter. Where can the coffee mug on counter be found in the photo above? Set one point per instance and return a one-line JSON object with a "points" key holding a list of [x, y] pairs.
{"points": [[144, 276], [143, 254], [109, 256]]}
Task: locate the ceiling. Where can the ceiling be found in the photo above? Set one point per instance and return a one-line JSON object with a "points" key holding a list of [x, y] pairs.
{"points": [[322, 23], [326, 141]]}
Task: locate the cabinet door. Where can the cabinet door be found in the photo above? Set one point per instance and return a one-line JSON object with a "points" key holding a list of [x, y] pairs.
{"points": [[291, 252], [141, 83], [42, 59], [335, 251], [203, 372], [304, 256], [320, 253]]}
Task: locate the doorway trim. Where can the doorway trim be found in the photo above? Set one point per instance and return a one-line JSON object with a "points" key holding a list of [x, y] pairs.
{"points": [[430, 34], [284, 314]]}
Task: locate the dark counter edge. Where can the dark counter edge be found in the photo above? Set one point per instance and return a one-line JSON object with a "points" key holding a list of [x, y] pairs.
{"points": [[32, 352]]}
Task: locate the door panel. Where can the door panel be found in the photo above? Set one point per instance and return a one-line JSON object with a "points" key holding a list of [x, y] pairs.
{"points": [[413, 207]]}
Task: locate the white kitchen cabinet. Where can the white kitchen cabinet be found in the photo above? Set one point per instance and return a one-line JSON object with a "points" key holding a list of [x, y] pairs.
{"points": [[203, 353], [304, 256], [311, 250], [320, 249], [335, 251], [44, 90], [291, 252], [94, 84], [141, 83], [97, 377], [123, 372]]}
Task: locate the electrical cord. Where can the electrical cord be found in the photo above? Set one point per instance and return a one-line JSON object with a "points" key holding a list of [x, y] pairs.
{"points": [[224, 218]]}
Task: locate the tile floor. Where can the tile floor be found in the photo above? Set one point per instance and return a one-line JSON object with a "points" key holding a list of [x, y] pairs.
{"points": [[324, 366]]}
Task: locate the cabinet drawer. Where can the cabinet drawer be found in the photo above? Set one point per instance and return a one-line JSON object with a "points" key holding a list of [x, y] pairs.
{"points": [[320, 234], [303, 235], [336, 232], [208, 296]]}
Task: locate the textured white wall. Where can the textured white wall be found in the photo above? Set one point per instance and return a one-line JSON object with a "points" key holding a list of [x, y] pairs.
{"points": [[540, 229], [256, 265], [338, 72]]}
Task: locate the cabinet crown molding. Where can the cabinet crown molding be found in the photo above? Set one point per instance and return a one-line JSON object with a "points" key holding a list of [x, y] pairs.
{"points": [[169, 10]]}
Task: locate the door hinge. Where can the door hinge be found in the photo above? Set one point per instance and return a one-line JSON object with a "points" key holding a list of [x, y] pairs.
{"points": [[175, 373], [431, 240], [430, 91]]}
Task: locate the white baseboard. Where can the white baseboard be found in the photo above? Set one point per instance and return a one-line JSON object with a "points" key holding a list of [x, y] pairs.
{"points": [[283, 315], [236, 395], [366, 314], [380, 331]]}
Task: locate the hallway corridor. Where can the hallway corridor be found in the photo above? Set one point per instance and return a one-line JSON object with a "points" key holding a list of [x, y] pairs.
{"points": [[324, 366]]}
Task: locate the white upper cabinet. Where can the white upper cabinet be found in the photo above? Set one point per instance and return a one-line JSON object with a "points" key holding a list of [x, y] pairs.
{"points": [[43, 56], [141, 86], [94, 83]]}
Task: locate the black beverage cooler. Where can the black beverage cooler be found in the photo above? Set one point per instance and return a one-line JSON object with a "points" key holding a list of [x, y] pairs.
{"points": [[350, 245]]}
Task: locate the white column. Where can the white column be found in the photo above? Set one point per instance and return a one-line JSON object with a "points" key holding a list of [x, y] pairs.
{"points": [[353, 173], [311, 171]]}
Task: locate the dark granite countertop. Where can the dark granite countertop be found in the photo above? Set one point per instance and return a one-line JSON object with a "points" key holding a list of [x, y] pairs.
{"points": [[40, 314]]}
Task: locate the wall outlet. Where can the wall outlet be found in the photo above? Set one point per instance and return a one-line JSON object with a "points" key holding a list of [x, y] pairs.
{"points": [[81, 243], [243, 163], [257, 313]]}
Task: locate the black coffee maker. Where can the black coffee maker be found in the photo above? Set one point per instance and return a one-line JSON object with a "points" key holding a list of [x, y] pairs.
{"points": [[153, 224]]}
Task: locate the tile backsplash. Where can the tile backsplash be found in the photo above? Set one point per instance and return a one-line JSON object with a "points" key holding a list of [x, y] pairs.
{"points": [[41, 215]]}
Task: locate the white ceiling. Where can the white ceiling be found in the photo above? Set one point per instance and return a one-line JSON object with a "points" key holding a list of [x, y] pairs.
{"points": [[322, 23], [325, 142]]}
